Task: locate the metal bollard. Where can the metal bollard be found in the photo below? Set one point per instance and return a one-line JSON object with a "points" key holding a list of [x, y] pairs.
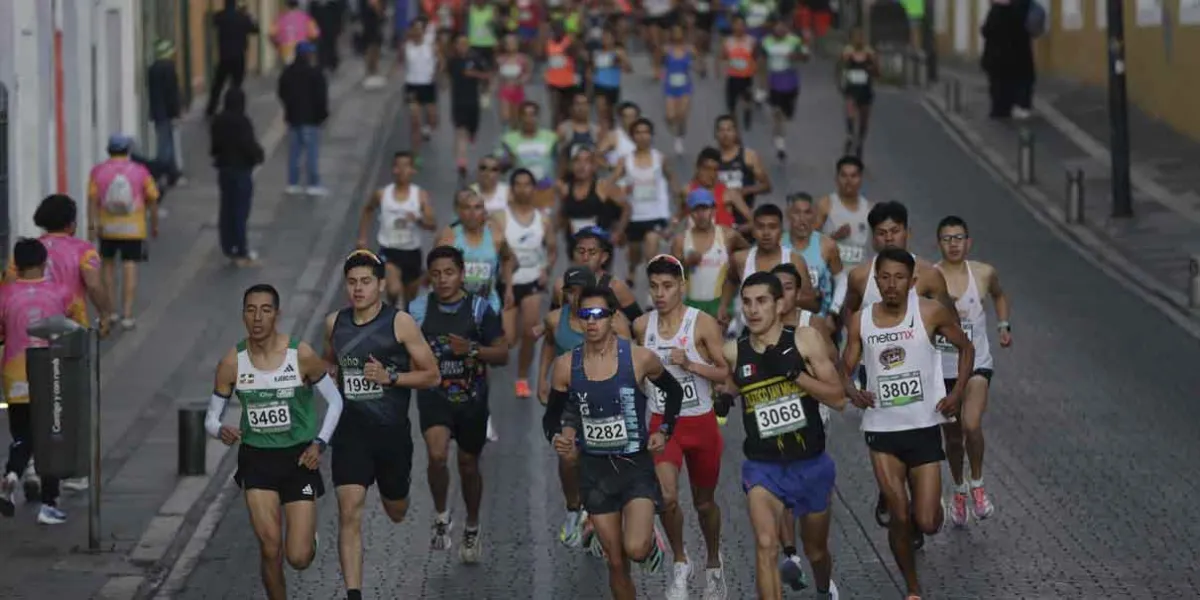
{"points": [[1194, 282], [1025, 174], [1074, 209], [955, 95], [193, 441], [948, 93]]}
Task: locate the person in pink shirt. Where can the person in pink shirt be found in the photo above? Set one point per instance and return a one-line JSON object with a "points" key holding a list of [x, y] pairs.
{"points": [[291, 28], [29, 298]]}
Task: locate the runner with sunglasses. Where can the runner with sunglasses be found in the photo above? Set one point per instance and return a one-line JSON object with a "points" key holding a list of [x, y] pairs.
{"points": [[689, 342], [492, 189], [593, 249], [597, 410]]}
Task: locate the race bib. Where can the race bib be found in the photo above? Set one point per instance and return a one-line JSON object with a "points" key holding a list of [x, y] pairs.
{"points": [[116, 229], [739, 64], [850, 255], [677, 80], [356, 386], [857, 77], [558, 61], [944, 345], [577, 224], [445, 17], [814, 275], [646, 193], [691, 399], [606, 433], [510, 70], [525, 15], [604, 60], [780, 61], [478, 271], [780, 416], [900, 389], [758, 15], [702, 6], [269, 417]]}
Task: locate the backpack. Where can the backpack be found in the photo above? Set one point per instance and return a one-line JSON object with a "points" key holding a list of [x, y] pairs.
{"points": [[1035, 19], [118, 198]]}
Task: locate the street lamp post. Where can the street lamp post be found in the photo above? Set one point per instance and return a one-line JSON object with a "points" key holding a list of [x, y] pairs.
{"points": [[1118, 112]]}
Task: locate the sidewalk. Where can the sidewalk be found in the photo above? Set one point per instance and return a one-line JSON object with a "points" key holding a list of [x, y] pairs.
{"points": [[187, 318], [1152, 249]]}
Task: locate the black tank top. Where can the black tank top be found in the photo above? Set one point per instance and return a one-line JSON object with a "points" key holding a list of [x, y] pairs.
{"points": [[781, 421], [464, 379], [737, 175], [591, 206], [369, 405], [861, 82]]}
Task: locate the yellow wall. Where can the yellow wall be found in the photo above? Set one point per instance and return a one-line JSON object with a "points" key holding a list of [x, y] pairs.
{"points": [[1164, 84]]}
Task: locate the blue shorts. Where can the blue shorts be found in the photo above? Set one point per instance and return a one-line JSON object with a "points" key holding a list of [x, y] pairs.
{"points": [[804, 486], [527, 34], [678, 92]]}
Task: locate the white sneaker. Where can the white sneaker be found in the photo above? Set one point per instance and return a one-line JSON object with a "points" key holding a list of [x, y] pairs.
{"points": [[293, 190], [679, 146], [441, 534], [77, 484], [469, 551], [317, 191], [8, 489], [32, 483], [1021, 114], [832, 594], [715, 587], [128, 323], [492, 436], [51, 515], [682, 575]]}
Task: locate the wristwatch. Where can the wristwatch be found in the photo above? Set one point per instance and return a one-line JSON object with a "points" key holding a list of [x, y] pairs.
{"points": [[665, 430], [473, 352], [1004, 326], [321, 444], [393, 378]]}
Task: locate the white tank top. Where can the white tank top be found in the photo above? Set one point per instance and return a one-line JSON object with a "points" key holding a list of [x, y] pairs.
{"points": [[528, 244], [871, 294], [497, 200], [697, 391], [649, 200], [752, 261], [657, 8], [853, 248], [420, 61], [398, 219], [974, 324], [904, 372], [706, 281], [805, 320], [624, 146]]}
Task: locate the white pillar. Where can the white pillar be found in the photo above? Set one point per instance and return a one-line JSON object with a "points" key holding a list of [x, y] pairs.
{"points": [[27, 112], [77, 77]]}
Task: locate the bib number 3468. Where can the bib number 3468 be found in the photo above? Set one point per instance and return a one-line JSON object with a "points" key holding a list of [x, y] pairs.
{"points": [[269, 417]]}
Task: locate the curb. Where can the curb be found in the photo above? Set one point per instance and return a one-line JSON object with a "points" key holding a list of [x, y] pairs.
{"points": [[1172, 303]]}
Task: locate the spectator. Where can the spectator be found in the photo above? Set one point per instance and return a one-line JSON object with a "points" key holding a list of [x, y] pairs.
{"points": [[234, 27], [1008, 59], [235, 153], [329, 15], [291, 29], [305, 97], [162, 83], [372, 18], [813, 18]]}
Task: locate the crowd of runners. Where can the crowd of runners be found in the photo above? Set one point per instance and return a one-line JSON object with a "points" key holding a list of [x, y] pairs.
{"points": [[784, 313]]}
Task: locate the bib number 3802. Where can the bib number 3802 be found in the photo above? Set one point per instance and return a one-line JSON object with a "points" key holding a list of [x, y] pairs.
{"points": [[900, 389], [269, 417], [605, 433], [783, 415]]}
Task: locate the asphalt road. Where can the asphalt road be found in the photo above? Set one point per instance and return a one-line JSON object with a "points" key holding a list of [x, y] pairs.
{"points": [[1091, 442]]}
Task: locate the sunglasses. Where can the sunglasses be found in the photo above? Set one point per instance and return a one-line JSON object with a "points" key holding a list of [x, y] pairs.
{"points": [[593, 314]]}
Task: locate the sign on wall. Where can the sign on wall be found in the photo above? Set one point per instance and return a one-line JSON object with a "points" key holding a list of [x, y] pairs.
{"points": [[1189, 12], [1072, 15], [1149, 13]]}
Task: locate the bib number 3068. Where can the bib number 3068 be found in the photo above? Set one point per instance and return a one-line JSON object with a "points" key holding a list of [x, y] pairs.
{"points": [[269, 417], [781, 416]]}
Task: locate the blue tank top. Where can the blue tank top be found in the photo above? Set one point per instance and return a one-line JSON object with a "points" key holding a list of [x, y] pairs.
{"points": [[565, 338], [612, 412], [818, 271], [608, 70], [482, 265], [728, 7], [678, 70]]}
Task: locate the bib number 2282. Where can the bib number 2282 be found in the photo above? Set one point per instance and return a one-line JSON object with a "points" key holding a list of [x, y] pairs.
{"points": [[605, 433]]}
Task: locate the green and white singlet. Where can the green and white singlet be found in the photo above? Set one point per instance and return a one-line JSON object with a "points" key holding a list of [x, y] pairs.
{"points": [[277, 406]]}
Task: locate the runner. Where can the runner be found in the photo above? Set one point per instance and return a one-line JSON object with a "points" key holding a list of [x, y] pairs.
{"points": [[598, 392], [380, 355], [703, 19], [858, 67], [588, 201], [482, 245], [907, 401], [792, 315], [514, 69], [274, 375], [445, 16], [784, 376], [576, 131], [660, 17], [737, 52], [465, 334], [489, 187], [767, 252], [740, 167], [423, 60], [705, 248], [534, 149], [820, 252], [969, 282], [727, 202], [813, 19], [617, 143], [677, 65], [650, 189], [784, 52], [482, 26], [529, 24], [468, 73], [842, 215], [28, 298], [403, 211], [594, 249], [530, 236], [689, 342], [563, 62], [73, 262], [609, 60], [758, 15]]}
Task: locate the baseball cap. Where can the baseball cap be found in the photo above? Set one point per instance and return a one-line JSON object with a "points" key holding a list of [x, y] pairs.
{"points": [[595, 232], [700, 197], [579, 276], [119, 142]]}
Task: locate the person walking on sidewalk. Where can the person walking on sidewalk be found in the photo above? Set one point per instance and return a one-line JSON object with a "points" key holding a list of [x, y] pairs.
{"points": [[371, 18], [162, 87], [31, 297], [291, 29], [304, 93], [123, 194], [329, 15], [235, 153], [1008, 59], [234, 26]]}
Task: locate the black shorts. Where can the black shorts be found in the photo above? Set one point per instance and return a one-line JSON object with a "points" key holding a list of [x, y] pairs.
{"points": [[612, 95], [467, 421], [636, 230], [465, 116], [410, 262], [608, 483], [784, 101], [737, 88], [127, 250], [914, 447], [423, 95], [278, 470], [521, 290], [705, 20], [563, 95], [665, 21], [374, 455], [984, 373], [862, 96]]}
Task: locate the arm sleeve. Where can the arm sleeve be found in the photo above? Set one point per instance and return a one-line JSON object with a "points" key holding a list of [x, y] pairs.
{"points": [[840, 282], [632, 312], [674, 397], [552, 418], [333, 410], [216, 408]]}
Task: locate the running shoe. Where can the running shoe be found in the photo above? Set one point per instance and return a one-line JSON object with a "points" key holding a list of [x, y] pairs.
{"points": [[832, 594], [31, 483], [522, 388], [983, 504], [791, 572], [658, 552], [571, 532], [8, 489], [591, 541], [441, 534], [77, 484], [715, 587], [958, 510], [881, 512], [682, 575], [51, 515], [469, 551]]}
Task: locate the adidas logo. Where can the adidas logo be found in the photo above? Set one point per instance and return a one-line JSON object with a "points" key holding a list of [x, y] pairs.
{"points": [[289, 369], [307, 491]]}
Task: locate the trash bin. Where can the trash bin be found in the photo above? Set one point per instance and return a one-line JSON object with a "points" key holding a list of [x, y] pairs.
{"points": [[60, 391]]}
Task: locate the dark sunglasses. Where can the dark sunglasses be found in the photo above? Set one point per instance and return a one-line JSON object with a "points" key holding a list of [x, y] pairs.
{"points": [[593, 314], [489, 167]]}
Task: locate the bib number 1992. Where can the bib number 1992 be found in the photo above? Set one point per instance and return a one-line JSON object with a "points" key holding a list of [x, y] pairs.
{"points": [[356, 386]]}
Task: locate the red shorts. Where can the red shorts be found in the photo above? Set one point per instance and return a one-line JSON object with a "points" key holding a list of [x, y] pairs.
{"points": [[698, 441], [818, 21]]}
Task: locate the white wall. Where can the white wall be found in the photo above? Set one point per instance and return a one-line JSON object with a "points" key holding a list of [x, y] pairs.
{"points": [[26, 135]]}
